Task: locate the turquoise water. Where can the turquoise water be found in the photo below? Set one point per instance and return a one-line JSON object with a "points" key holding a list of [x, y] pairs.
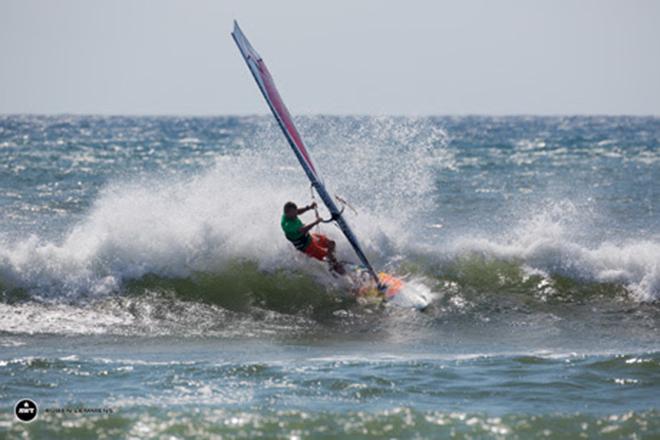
{"points": [[147, 290]]}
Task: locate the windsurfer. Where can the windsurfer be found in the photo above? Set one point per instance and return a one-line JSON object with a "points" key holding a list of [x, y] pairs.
{"points": [[313, 245]]}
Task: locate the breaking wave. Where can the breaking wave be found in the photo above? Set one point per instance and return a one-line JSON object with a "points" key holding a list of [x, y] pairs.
{"points": [[212, 237]]}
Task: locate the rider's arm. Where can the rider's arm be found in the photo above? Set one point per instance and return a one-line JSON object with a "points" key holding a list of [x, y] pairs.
{"points": [[306, 208], [305, 229]]}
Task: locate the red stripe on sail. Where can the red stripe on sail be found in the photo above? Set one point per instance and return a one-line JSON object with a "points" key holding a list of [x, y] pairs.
{"points": [[282, 111]]}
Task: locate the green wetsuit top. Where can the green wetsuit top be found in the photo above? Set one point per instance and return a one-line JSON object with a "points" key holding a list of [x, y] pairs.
{"points": [[292, 232]]}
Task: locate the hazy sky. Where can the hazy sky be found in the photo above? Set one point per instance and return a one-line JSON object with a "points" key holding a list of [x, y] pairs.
{"points": [[336, 57]]}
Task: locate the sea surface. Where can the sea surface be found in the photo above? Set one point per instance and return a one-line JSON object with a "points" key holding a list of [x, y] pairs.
{"points": [[146, 290]]}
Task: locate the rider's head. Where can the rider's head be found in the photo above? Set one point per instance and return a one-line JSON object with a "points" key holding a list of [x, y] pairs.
{"points": [[290, 210]]}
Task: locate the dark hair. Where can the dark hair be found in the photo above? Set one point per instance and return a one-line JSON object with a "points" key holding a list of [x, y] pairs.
{"points": [[290, 205]]}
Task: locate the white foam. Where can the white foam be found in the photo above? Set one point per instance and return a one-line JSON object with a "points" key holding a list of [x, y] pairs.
{"points": [[176, 226], [167, 227]]}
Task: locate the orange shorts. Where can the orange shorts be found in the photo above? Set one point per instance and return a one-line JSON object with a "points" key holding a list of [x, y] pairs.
{"points": [[319, 247]]}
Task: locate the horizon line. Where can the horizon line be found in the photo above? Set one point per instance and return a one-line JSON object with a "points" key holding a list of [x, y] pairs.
{"points": [[394, 115]]}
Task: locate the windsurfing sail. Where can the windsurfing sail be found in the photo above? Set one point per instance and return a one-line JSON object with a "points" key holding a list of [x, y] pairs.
{"points": [[272, 96]]}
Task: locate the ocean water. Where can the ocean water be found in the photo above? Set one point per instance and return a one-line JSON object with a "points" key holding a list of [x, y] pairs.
{"points": [[147, 291]]}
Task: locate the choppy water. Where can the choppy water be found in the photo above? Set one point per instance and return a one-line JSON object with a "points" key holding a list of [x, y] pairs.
{"points": [[142, 270]]}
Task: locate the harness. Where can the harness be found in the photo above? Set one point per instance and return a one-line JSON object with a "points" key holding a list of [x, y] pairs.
{"points": [[302, 242]]}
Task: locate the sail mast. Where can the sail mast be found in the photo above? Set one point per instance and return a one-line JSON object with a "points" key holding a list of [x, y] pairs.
{"points": [[271, 95]]}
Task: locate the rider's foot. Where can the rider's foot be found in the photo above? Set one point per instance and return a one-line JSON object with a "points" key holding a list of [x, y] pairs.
{"points": [[337, 267]]}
